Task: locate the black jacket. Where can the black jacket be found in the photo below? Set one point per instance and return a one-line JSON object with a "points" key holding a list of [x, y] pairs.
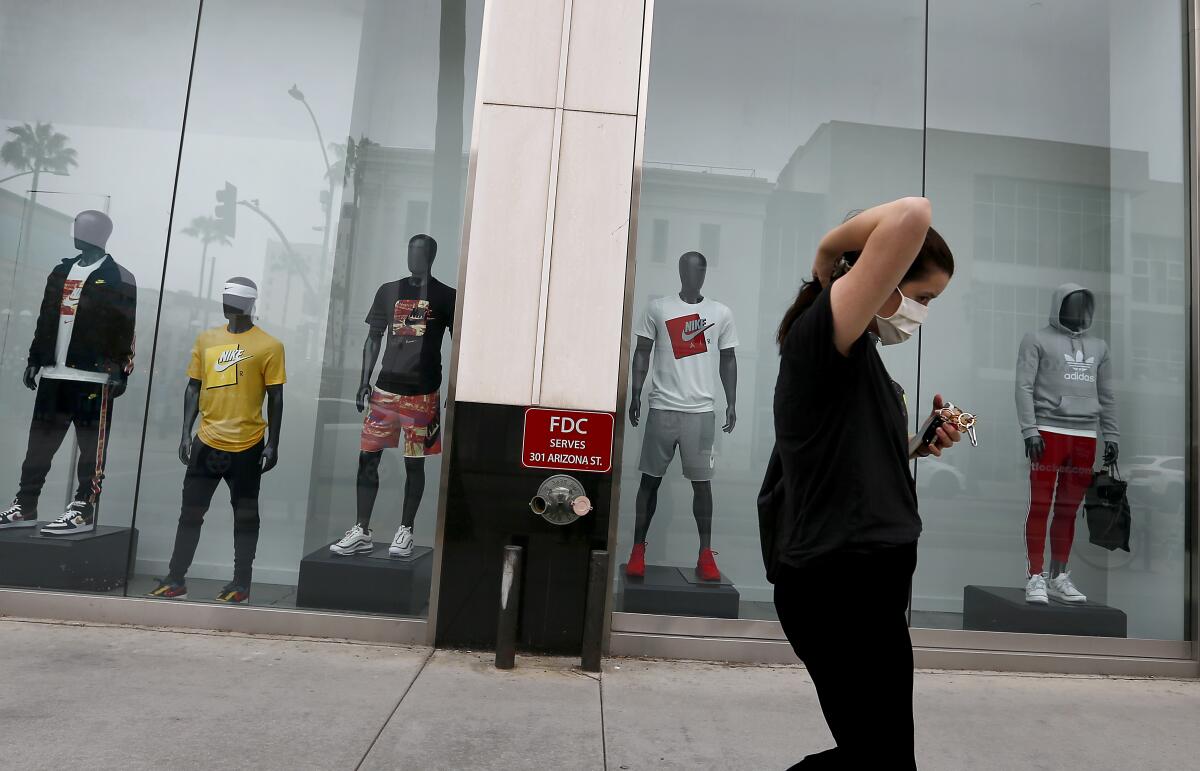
{"points": [[102, 340]]}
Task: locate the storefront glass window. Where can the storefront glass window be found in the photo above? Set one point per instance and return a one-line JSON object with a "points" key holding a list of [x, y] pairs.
{"points": [[766, 124], [1061, 185], [307, 287], [1050, 139], [93, 102]]}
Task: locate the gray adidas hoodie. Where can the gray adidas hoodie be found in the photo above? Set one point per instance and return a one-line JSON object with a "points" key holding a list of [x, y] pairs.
{"points": [[1064, 378]]}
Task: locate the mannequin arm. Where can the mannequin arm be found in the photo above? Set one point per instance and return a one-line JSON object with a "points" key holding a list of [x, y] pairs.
{"points": [[728, 369], [1108, 403], [370, 355], [191, 409], [270, 454], [641, 366], [1028, 360]]}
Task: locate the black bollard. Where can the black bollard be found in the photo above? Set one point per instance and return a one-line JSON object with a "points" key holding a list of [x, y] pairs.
{"points": [[593, 618], [510, 608]]}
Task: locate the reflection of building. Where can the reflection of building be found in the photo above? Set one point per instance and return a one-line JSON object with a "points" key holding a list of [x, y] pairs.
{"points": [[1024, 215]]}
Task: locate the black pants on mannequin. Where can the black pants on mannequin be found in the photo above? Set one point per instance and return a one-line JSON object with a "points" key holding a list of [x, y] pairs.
{"points": [[368, 487], [242, 473], [60, 404], [854, 642], [647, 503]]}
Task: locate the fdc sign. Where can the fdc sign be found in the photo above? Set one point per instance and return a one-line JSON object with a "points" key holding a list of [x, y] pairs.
{"points": [[567, 439]]}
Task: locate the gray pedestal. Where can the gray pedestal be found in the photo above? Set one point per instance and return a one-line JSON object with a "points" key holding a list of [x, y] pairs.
{"points": [[1003, 609], [95, 561], [675, 591], [375, 582]]}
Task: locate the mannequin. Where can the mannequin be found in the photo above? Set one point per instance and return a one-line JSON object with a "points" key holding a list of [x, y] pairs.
{"points": [[83, 351], [1063, 394], [682, 332], [414, 313], [233, 368]]}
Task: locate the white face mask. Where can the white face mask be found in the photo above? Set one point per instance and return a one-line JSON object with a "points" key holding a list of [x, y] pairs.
{"points": [[903, 323]]}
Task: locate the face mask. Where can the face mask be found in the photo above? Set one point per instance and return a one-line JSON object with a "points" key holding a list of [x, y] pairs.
{"points": [[903, 323]]}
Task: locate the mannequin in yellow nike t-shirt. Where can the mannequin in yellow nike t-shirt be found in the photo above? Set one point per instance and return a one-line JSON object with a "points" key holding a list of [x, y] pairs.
{"points": [[233, 368]]}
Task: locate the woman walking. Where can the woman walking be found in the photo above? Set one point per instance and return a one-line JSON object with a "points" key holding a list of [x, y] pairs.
{"points": [[838, 509]]}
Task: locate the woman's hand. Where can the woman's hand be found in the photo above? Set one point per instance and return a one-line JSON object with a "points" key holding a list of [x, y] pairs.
{"points": [[823, 265], [945, 438]]}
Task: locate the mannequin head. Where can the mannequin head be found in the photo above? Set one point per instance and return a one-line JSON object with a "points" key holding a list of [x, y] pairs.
{"points": [[1076, 311], [421, 251], [92, 229], [693, 267], [239, 297]]}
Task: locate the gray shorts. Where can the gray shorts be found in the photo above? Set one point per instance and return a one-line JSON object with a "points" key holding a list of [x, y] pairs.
{"points": [[692, 432]]}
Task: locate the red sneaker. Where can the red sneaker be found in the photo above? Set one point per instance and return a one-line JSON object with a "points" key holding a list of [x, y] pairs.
{"points": [[637, 561], [706, 566]]}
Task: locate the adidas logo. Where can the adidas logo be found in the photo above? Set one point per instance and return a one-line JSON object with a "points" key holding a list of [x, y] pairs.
{"points": [[1079, 367]]}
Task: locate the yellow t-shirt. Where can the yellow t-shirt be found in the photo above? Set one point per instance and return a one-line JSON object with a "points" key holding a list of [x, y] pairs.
{"points": [[234, 372]]}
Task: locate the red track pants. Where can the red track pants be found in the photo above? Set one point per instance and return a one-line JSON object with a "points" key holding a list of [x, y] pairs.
{"points": [[1060, 478]]}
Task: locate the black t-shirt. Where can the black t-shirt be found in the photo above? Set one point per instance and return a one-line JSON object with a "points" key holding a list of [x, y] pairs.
{"points": [[841, 435], [415, 318]]}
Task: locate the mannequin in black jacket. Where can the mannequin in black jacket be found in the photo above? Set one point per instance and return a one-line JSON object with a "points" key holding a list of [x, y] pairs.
{"points": [[83, 352]]}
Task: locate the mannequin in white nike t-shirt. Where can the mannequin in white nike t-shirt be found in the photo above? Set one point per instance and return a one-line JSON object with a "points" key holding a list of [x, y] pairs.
{"points": [[679, 335]]}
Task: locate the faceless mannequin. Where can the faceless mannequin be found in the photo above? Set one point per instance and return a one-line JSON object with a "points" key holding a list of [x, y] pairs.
{"points": [[692, 272], [421, 254], [79, 363], [406, 323], [233, 370], [1064, 399]]}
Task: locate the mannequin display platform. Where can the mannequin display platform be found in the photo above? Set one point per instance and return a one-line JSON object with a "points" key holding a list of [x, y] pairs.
{"points": [[95, 560], [1004, 609], [371, 582], [677, 591]]}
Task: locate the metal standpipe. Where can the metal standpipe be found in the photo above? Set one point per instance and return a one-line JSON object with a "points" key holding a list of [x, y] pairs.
{"points": [[593, 618], [510, 608]]}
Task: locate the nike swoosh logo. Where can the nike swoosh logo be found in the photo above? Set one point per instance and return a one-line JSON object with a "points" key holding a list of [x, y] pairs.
{"points": [[689, 336], [221, 366]]}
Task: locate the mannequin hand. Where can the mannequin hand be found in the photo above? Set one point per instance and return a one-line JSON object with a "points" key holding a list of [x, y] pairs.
{"points": [[30, 378], [118, 385], [1110, 453], [363, 397], [1034, 447], [635, 411], [270, 456], [730, 419], [185, 450]]}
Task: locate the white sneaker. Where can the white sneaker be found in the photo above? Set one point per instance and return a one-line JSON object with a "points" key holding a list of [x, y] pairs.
{"points": [[15, 516], [354, 541], [1062, 589], [402, 543], [1035, 590], [78, 518]]}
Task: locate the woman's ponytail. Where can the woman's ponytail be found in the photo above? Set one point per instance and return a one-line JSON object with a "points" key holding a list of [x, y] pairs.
{"points": [[809, 290]]}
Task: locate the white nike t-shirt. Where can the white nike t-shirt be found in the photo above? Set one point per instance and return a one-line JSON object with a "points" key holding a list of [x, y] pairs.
{"points": [[72, 291], [687, 338]]}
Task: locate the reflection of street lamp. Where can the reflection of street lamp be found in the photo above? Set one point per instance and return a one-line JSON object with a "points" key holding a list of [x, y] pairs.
{"points": [[327, 198]]}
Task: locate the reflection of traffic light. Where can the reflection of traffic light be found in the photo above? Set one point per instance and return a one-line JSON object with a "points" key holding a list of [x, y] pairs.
{"points": [[226, 210]]}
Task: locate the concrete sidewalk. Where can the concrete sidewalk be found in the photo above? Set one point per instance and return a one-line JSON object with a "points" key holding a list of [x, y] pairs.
{"points": [[97, 697]]}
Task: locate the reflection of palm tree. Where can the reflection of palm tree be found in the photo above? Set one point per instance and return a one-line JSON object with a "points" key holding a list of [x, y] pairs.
{"points": [[36, 150], [291, 264], [210, 231]]}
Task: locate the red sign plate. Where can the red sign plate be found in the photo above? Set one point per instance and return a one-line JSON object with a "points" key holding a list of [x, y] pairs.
{"points": [[567, 439]]}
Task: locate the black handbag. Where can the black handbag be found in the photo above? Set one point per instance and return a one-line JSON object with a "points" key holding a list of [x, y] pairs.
{"points": [[1106, 507]]}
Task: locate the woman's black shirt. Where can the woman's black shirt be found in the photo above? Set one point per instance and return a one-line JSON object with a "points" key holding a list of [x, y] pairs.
{"points": [[841, 439]]}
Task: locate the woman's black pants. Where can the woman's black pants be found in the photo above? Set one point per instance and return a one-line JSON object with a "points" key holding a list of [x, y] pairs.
{"points": [[845, 615]]}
